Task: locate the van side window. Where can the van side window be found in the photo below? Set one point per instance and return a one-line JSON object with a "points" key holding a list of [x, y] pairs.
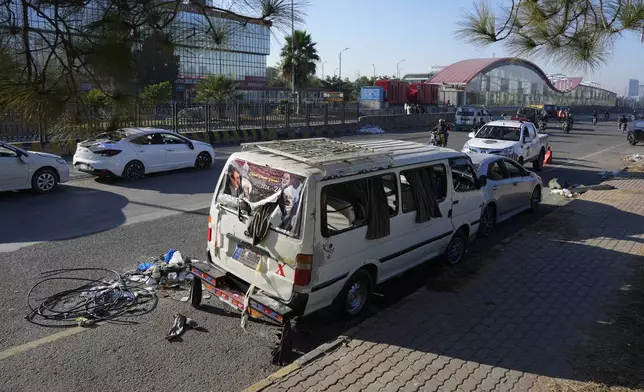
{"points": [[463, 176], [422, 189], [356, 203]]}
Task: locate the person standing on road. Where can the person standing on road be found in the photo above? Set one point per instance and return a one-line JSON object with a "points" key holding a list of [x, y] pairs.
{"points": [[622, 120], [607, 115]]}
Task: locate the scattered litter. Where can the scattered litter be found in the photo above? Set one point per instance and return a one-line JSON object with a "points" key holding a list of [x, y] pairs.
{"points": [[371, 130], [184, 299], [181, 323], [554, 184], [608, 174], [207, 296], [633, 158]]}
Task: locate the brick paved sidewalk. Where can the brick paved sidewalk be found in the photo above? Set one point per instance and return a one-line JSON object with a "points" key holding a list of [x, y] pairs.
{"points": [[513, 323]]}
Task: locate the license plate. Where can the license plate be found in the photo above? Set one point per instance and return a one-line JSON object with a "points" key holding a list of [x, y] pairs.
{"points": [[246, 256]]}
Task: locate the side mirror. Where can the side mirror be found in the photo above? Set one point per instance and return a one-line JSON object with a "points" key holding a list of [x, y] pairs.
{"points": [[527, 139], [23, 158], [191, 146], [482, 181], [471, 135]]}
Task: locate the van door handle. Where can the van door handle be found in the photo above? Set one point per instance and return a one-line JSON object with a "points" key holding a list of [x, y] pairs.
{"points": [[455, 202]]}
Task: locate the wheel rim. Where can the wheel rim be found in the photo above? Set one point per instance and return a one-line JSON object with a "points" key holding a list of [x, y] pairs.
{"points": [[455, 250], [203, 160], [45, 182], [486, 222], [534, 201], [133, 171], [630, 138], [356, 298]]}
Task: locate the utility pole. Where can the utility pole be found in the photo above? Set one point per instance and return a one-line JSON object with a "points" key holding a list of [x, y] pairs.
{"points": [[324, 62], [340, 66], [398, 68], [374, 73], [292, 49]]}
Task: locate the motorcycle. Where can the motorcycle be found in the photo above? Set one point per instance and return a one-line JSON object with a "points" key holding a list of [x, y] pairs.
{"points": [[542, 126], [633, 118], [437, 139], [566, 127], [594, 120]]}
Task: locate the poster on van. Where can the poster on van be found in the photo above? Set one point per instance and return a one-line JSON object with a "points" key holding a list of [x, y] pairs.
{"points": [[256, 183]]}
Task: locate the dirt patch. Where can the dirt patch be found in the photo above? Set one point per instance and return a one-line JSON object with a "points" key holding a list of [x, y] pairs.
{"points": [[612, 358]]}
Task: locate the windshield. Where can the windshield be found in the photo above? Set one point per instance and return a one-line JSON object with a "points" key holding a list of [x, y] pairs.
{"points": [[499, 133], [465, 112], [258, 184]]}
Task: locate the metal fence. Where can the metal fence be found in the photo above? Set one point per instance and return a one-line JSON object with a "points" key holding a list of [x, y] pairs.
{"points": [[190, 118]]}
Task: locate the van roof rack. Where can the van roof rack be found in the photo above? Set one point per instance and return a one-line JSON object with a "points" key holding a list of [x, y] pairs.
{"points": [[318, 152]]}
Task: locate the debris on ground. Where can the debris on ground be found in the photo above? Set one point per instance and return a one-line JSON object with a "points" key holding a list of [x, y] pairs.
{"points": [[578, 189], [371, 130], [635, 158], [181, 323], [609, 174], [564, 192], [554, 184]]}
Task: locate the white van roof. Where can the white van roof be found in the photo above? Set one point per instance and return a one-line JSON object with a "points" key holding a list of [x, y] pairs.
{"points": [[333, 158]]}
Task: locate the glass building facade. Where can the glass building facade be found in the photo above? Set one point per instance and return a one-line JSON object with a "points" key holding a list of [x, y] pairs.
{"points": [[516, 84]]}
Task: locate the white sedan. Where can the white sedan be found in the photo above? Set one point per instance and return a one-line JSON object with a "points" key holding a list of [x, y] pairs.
{"points": [[509, 190], [40, 171], [131, 153]]}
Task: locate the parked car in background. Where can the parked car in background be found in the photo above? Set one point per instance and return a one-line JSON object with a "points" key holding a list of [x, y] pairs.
{"points": [[636, 133], [510, 189], [530, 114], [131, 153], [40, 171], [514, 139], [470, 117]]}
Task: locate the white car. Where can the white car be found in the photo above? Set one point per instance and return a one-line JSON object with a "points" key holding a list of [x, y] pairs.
{"points": [[40, 171], [131, 153], [509, 190], [513, 138]]}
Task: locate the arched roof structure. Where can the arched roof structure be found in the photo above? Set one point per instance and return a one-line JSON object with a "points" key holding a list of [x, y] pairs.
{"points": [[464, 71]]}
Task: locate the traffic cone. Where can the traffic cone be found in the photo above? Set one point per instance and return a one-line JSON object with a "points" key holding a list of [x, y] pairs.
{"points": [[548, 158]]}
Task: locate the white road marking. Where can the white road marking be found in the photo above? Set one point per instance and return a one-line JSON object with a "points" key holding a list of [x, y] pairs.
{"points": [[584, 157]]}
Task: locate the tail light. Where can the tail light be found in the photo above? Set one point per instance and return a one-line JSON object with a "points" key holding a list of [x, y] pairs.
{"points": [[209, 228], [107, 153], [303, 269]]}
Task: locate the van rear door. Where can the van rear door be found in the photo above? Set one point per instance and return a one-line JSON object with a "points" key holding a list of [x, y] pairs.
{"points": [[231, 243], [465, 116]]}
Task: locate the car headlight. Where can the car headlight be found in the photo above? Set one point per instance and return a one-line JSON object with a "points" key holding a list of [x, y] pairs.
{"points": [[61, 161], [507, 151]]}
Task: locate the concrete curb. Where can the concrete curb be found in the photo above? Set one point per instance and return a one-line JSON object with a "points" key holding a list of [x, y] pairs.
{"points": [[304, 360]]}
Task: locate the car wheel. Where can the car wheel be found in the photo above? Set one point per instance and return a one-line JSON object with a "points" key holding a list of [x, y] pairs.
{"points": [[44, 180], [538, 164], [488, 221], [203, 161], [631, 139], [456, 248], [535, 199], [355, 294], [133, 171]]}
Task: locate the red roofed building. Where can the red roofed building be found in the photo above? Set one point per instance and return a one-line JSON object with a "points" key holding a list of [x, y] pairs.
{"points": [[514, 82]]}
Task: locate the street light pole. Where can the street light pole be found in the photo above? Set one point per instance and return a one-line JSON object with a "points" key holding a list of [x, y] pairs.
{"points": [[340, 66], [398, 68], [292, 49], [324, 62], [374, 73]]}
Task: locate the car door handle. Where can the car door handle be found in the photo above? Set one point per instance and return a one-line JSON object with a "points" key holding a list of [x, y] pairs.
{"points": [[169, 149], [455, 202]]}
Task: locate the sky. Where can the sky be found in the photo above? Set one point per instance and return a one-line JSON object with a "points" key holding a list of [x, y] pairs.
{"points": [[381, 33]]}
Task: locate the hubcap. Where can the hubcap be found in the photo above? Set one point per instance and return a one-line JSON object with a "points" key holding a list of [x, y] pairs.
{"points": [[535, 199], [134, 171], [203, 161], [45, 182], [356, 298], [486, 221], [455, 251]]}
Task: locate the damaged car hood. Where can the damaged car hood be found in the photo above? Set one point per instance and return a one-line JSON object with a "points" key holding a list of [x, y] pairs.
{"points": [[491, 143]]}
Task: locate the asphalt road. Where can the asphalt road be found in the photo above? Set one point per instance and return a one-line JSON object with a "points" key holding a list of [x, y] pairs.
{"points": [[117, 225]]}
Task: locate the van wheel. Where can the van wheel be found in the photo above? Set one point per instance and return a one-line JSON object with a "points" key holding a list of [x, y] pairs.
{"points": [[488, 221], [195, 292], [354, 295], [456, 248], [538, 164]]}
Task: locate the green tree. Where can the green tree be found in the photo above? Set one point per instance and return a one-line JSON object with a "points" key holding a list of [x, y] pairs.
{"points": [[49, 48], [156, 62], [303, 60], [358, 84], [574, 33], [156, 94], [273, 78], [218, 89]]}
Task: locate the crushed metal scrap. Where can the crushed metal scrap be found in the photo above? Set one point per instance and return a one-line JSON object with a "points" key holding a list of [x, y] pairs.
{"points": [[570, 191]]}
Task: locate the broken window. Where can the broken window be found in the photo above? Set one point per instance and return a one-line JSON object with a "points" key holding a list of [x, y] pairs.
{"points": [[422, 189], [463, 176], [356, 203]]}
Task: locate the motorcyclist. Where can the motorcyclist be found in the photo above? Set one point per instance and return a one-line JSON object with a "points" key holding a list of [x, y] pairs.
{"points": [[594, 116], [622, 120], [442, 130]]}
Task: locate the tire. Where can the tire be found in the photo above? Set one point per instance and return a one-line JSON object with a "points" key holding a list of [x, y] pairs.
{"points": [[538, 164], [355, 295], [631, 139], [134, 170], [195, 292], [456, 248], [203, 161], [488, 221], [535, 199], [44, 180]]}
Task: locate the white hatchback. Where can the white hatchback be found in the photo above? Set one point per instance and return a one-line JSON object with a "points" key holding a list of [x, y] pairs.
{"points": [[131, 153], [40, 171]]}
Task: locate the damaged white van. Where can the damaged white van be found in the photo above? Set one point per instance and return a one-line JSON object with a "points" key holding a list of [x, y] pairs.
{"points": [[298, 225]]}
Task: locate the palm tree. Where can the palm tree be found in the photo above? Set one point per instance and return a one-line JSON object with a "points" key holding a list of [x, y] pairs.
{"points": [[576, 34], [305, 58], [218, 89]]}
